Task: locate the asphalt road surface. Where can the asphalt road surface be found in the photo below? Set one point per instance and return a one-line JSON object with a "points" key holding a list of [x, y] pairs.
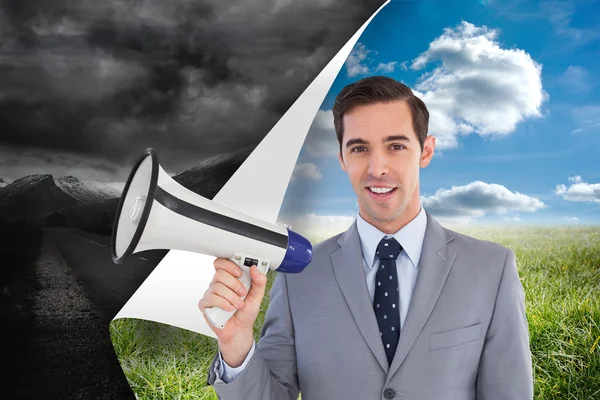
{"points": [[109, 285], [67, 352]]}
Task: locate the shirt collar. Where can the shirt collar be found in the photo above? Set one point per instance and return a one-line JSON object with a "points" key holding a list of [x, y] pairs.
{"points": [[410, 238]]}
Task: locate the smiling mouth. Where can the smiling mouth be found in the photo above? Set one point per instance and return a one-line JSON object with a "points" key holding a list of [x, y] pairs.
{"points": [[381, 191]]}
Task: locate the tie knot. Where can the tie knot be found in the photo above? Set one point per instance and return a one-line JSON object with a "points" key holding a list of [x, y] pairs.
{"points": [[388, 249]]}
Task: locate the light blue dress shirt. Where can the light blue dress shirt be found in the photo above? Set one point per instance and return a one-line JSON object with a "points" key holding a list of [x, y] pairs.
{"points": [[410, 237]]}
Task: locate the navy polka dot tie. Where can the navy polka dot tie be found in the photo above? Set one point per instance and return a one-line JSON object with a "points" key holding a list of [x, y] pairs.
{"points": [[387, 295]]}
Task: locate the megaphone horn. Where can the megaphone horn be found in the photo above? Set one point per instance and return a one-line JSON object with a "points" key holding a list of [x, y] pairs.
{"points": [[156, 212]]}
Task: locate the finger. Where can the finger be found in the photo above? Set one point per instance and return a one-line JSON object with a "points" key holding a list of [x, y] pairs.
{"points": [[214, 300], [258, 277], [206, 300], [223, 291], [259, 282], [227, 265], [231, 282]]}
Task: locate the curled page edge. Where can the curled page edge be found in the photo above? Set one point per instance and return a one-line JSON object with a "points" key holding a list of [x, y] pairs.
{"points": [[171, 292]]}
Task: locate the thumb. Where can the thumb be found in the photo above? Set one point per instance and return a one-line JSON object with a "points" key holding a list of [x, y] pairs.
{"points": [[257, 290]]}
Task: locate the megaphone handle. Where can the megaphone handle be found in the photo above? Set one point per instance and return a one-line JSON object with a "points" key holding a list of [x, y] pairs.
{"points": [[219, 317]]}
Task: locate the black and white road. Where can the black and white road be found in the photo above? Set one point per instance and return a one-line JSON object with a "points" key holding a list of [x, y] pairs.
{"points": [[78, 290]]}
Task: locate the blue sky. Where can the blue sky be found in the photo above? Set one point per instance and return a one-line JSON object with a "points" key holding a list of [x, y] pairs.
{"points": [[522, 148]]}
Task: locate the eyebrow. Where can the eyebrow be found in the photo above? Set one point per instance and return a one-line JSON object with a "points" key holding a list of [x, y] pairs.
{"points": [[390, 138]]}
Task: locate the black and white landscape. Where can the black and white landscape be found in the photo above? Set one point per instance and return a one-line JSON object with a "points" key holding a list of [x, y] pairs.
{"points": [[46, 201], [60, 287]]}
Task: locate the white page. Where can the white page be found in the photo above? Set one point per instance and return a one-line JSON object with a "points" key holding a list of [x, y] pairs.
{"points": [[171, 292]]}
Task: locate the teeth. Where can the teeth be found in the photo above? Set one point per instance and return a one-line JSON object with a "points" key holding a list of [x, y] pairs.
{"points": [[380, 190]]}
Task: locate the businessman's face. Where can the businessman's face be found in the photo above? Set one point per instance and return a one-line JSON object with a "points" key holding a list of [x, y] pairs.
{"points": [[382, 156]]}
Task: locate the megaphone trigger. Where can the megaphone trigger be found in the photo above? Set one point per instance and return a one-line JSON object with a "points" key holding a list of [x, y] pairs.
{"points": [[219, 317]]}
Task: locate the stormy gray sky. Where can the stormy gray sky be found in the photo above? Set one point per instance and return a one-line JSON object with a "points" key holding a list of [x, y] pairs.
{"points": [[87, 85]]}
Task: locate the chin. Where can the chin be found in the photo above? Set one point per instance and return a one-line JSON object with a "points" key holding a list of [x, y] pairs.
{"points": [[383, 217], [387, 218], [390, 215]]}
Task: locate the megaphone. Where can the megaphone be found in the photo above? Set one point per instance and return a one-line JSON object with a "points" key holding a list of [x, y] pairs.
{"points": [[156, 212]]}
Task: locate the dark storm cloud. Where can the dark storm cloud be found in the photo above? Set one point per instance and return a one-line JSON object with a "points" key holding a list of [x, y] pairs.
{"points": [[189, 78]]}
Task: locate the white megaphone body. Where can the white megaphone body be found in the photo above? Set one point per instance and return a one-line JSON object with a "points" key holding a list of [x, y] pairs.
{"points": [[156, 212]]}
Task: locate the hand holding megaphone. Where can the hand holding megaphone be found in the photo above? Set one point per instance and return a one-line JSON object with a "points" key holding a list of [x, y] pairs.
{"points": [[156, 212], [228, 293]]}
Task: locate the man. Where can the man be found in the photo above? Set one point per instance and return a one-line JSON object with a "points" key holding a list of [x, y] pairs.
{"points": [[442, 316]]}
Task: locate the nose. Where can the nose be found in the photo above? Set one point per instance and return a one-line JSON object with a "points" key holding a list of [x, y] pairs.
{"points": [[378, 164]]}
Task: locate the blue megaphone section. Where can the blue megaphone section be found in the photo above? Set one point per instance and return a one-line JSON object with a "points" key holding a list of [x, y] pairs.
{"points": [[298, 254]]}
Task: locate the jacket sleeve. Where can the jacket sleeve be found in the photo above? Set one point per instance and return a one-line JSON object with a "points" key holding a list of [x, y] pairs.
{"points": [[227, 373], [271, 372], [505, 369]]}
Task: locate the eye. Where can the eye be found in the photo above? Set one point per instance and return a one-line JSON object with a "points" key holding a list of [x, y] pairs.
{"points": [[398, 146], [358, 149]]}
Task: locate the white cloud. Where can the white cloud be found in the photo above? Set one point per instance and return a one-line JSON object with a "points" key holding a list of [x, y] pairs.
{"points": [[307, 171], [320, 226], [449, 221], [477, 199], [356, 62], [560, 14], [359, 62], [577, 79], [579, 191], [387, 67], [479, 86], [572, 219], [321, 140], [586, 117]]}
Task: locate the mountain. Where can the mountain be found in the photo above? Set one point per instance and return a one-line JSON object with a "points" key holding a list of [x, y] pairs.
{"points": [[3, 183], [87, 192], [208, 177], [32, 195], [92, 206]]}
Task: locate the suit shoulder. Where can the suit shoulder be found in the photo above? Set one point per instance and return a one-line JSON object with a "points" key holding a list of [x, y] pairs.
{"points": [[327, 246], [321, 258]]}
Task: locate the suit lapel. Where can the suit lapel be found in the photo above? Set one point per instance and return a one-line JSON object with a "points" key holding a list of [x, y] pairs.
{"points": [[349, 272], [434, 266]]}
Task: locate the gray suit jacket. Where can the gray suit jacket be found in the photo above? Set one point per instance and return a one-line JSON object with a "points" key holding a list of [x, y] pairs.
{"points": [[465, 336]]}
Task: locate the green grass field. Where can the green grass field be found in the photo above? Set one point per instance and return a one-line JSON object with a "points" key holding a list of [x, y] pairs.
{"points": [[559, 269]]}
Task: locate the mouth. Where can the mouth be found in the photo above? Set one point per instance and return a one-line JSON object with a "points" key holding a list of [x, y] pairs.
{"points": [[380, 192]]}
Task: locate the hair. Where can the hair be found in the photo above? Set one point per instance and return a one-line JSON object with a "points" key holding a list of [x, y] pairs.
{"points": [[379, 89]]}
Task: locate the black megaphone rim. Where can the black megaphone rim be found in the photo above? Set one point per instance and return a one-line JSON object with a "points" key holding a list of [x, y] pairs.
{"points": [[145, 212]]}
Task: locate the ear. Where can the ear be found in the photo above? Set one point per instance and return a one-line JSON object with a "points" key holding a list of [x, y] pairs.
{"points": [[427, 153], [342, 163]]}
